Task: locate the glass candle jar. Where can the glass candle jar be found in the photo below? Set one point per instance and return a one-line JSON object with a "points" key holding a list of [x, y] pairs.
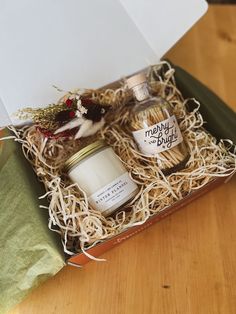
{"points": [[102, 176]]}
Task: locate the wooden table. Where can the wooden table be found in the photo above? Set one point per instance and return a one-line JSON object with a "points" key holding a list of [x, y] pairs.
{"points": [[187, 262]]}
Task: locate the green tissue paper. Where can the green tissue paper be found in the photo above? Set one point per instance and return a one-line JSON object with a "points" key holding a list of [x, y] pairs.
{"points": [[29, 252]]}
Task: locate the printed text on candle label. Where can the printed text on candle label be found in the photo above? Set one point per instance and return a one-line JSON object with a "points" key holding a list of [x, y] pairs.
{"points": [[112, 193]]}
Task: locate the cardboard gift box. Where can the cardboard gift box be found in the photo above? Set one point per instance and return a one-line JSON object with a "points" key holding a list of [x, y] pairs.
{"points": [[210, 104], [30, 251]]}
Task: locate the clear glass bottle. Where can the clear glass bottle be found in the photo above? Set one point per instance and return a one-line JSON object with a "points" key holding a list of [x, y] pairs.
{"points": [[155, 127]]}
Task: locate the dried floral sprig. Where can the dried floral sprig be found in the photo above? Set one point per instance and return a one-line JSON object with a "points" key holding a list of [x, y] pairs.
{"points": [[60, 117], [53, 116]]}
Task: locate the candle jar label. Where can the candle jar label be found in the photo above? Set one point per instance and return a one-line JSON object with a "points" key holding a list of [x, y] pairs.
{"points": [[159, 137], [116, 191]]}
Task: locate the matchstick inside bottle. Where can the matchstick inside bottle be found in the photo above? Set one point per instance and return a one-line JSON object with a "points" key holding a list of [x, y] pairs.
{"points": [[155, 127]]}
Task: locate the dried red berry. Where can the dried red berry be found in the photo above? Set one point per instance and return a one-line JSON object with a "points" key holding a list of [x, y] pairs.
{"points": [[48, 134], [69, 102], [72, 114]]}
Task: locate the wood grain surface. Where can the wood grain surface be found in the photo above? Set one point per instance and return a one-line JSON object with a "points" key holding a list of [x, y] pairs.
{"points": [[187, 262]]}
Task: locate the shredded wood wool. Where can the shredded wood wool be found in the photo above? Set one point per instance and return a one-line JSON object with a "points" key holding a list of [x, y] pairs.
{"points": [[82, 227]]}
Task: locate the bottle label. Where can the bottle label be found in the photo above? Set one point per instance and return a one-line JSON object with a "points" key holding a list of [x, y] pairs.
{"points": [[113, 193], [141, 91], [159, 137]]}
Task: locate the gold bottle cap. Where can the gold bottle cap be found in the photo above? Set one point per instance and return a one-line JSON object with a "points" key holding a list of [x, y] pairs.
{"points": [[136, 80], [83, 153]]}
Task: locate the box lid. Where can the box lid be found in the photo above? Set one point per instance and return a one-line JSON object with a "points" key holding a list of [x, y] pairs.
{"points": [[71, 43]]}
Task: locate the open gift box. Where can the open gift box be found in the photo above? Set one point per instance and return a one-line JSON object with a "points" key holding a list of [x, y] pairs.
{"points": [[39, 260]]}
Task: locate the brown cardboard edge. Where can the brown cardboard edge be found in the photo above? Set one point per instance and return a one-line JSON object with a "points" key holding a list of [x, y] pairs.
{"points": [[81, 259]]}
